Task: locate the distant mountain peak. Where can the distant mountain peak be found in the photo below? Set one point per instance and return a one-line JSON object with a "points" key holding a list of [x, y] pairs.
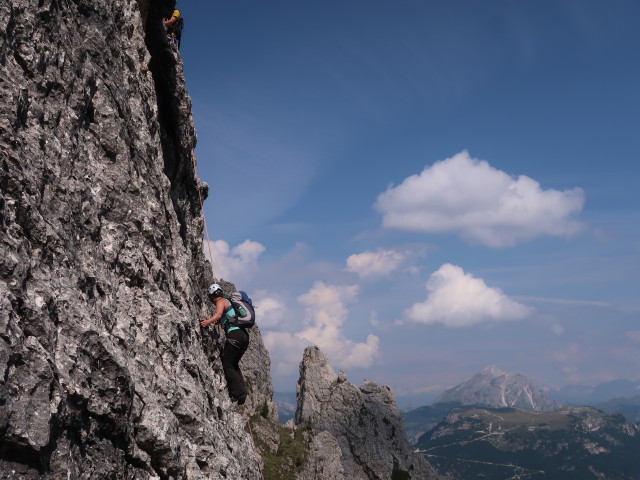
{"points": [[493, 387], [493, 371]]}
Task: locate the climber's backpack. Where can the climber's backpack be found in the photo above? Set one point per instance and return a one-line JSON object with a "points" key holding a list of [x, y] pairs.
{"points": [[242, 304]]}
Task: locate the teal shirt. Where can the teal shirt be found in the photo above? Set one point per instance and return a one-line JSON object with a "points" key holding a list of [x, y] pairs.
{"points": [[228, 317]]}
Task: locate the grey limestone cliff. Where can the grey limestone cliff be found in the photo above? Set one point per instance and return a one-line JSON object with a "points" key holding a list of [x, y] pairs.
{"points": [[356, 431], [104, 370]]}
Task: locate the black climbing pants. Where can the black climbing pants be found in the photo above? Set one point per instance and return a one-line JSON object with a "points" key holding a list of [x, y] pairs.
{"points": [[235, 346]]}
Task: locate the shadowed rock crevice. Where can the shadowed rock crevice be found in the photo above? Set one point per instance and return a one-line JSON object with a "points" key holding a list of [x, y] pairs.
{"points": [[174, 114]]}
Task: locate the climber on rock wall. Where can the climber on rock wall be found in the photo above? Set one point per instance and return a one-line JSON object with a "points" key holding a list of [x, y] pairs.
{"points": [[237, 342], [174, 25]]}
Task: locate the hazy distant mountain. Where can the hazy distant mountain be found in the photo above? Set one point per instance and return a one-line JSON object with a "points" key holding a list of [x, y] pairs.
{"points": [[286, 402], [419, 421], [629, 407], [573, 443], [407, 402], [592, 395], [494, 388]]}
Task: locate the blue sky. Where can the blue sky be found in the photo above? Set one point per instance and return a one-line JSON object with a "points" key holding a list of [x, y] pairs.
{"points": [[426, 188]]}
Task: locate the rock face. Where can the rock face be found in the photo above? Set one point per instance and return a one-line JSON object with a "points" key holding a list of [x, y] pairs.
{"points": [[104, 370], [362, 424], [494, 388]]}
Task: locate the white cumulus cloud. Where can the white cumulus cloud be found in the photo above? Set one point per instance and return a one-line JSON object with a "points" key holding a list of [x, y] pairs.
{"points": [[375, 264], [285, 351], [271, 309], [484, 205], [326, 311], [458, 299], [234, 264]]}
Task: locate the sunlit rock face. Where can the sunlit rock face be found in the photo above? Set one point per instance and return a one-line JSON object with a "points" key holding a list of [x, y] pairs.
{"points": [[363, 422], [105, 371]]}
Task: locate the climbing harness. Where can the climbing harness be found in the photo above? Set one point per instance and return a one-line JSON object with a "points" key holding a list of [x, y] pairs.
{"points": [[253, 440], [204, 220]]}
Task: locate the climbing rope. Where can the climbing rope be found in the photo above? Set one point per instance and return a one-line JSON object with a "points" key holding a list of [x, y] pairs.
{"points": [[204, 220], [255, 452], [246, 411]]}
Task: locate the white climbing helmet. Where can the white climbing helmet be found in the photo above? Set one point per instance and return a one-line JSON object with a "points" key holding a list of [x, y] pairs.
{"points": [[214, 289]]}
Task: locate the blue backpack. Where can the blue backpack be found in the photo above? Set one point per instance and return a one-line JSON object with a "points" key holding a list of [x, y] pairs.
{"points": [[245, 311]]}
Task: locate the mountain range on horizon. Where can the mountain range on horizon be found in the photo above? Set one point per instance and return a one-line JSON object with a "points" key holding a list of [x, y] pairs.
{"points": [[493, 387], [570, 394], [580, 394], [613, 396], [499, 425], [571, 443]]}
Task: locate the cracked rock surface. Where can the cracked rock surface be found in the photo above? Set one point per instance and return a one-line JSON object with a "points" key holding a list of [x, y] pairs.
{"points": [[104, 370], [362, 423]]}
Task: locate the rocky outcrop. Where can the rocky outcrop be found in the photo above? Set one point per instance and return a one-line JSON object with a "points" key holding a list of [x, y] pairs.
{"points": [[104, 370], [363, 422], [494, 388]]}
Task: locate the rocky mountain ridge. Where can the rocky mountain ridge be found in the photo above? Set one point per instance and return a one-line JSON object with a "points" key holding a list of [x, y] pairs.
{"points": [[419, 421], [494, 388], [628, 407], [572, 443]]}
